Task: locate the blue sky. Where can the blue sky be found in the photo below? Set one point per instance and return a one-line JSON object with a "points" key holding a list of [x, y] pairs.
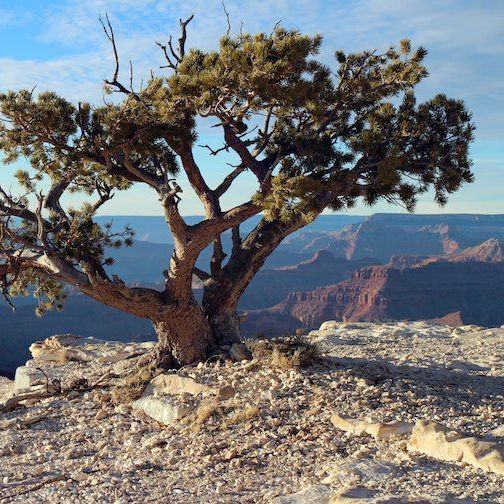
{"points": [[59, 45]]}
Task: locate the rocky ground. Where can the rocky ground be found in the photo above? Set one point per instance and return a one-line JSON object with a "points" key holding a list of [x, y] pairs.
{"points": [[259, 431]]}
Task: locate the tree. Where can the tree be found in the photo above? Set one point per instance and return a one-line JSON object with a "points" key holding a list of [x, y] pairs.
{"points": [[313, 138]]}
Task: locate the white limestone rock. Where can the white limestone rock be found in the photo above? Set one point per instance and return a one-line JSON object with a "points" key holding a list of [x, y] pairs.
{"points": [[378, 430], [437, 441], [164, 409], [170, 397], [27, 377], [173, 384]]}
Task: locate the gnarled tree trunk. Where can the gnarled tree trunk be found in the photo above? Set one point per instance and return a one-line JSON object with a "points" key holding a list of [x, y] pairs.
{"points": [[184, 336], [225, 325]]}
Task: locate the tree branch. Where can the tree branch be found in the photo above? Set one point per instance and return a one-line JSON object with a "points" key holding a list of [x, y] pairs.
{"points": [[177, 56], [228, 180], [114, 82]]}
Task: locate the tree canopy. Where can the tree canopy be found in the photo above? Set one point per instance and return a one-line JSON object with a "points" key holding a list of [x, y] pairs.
{"points": [[314, 136]]}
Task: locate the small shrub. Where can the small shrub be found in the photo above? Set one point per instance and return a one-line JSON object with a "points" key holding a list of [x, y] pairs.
{"points": [[285, 353]]}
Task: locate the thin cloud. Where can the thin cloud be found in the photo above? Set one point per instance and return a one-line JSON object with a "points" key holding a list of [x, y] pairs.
{"points": [[465, 42]]}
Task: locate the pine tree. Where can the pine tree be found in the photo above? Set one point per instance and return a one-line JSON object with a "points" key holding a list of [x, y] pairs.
{"points": [[314, 138]]}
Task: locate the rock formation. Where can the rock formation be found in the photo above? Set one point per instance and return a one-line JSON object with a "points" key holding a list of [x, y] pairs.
{"points": [[469, 292], [385, 235], [270, 286]]}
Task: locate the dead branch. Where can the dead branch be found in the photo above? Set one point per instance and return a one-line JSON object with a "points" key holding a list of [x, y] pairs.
{"points": [[174, 57], [114, 82], [227, 19]]}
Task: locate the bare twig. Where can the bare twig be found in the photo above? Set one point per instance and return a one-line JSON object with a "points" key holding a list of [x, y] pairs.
{"points": [[174, 57], [227, 19], [114, 82]]}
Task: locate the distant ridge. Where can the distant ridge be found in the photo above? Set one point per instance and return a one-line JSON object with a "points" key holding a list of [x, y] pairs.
{"points": [[491, 251], [466, 287]]}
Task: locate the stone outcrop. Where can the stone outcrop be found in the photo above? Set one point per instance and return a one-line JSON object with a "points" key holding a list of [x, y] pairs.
{"points": [[432, 439], [378, 430], [435, 440], [70, 347]]}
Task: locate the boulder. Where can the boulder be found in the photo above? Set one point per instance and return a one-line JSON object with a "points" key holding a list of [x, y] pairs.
{"points": [[165, 409], [27, 377], [437, 441], [313, 494], [378, 430], [173, 384], [170, 397]]}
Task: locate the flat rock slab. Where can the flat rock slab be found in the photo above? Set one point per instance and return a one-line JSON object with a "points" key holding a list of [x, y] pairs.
{"points": [[70, 347], [378, 430], [435, 440]]}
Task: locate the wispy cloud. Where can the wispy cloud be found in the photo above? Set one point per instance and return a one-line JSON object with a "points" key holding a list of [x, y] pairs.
{"points": [[464, 37]]}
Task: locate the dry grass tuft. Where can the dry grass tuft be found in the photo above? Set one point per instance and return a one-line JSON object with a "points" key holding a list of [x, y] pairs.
{"points": [[242, 415], [220, 416], [284, 353], [205, 411], [133, 385]]}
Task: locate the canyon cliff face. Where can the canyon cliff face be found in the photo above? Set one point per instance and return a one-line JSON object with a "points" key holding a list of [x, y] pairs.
{"points": [[468, 293], [270, 286], [490, 251], [385, 235]]}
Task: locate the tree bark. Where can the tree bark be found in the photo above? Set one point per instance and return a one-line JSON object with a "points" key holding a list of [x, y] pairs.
{"points": [[184, 336], [225, 325]]}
